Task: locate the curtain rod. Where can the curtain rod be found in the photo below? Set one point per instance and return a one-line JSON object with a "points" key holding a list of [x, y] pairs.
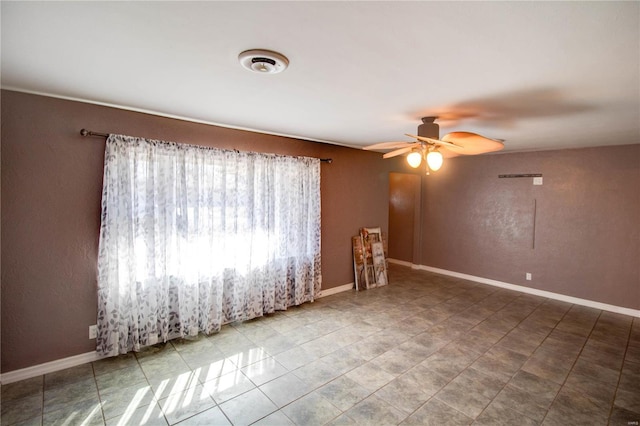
{"points": [[85, 132]]}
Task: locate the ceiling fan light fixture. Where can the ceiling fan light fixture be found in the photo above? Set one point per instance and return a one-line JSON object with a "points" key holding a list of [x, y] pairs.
{"points": [[427, 145], [434, 160], [414, 159]]}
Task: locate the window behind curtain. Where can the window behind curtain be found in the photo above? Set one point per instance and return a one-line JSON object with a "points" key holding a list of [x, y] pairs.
{"points": [[192, 238]]}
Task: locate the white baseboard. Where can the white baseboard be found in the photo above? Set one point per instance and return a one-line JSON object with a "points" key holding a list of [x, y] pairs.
{"points": [[335, 290], [528, 290], [48, 367], [401, 262]]}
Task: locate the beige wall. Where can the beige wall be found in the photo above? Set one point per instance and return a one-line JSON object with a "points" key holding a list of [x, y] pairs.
{"points": [[587, 230], [51, 188]]}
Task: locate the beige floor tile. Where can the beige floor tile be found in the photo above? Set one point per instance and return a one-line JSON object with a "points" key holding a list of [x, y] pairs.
{"points": [[436, 413], [180, 406], [228, 386], [285, 389], [343, 392], [122, 400], [67, 376], [370, 376], [71, 393], [248, 407], [23, 389], [20, 409], [311, 409], [211, 417], [148, 415], [86, 412]]}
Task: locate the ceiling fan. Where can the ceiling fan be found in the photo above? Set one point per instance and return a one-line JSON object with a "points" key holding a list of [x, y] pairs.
{"points": [[427, 146]]}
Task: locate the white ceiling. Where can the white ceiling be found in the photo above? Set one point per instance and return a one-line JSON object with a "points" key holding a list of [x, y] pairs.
{"points": [[540, 75]]}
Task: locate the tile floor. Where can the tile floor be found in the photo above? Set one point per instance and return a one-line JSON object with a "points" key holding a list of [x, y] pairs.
{"points": [[426, 349]]}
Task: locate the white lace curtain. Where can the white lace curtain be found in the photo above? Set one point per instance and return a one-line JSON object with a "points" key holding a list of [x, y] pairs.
{"points": [[192, 238]]}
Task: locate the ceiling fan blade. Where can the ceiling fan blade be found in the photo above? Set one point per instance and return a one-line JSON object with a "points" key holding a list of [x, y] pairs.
{"points": [[468, 143], [397, 152], [447, 153], [432, 141], [388, 145]]}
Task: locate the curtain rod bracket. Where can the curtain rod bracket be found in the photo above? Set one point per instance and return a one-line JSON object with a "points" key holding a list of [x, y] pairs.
{"points": [[85, 132]]}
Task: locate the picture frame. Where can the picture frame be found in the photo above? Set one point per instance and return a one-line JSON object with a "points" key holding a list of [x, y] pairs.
{"points": [[369, 258]]}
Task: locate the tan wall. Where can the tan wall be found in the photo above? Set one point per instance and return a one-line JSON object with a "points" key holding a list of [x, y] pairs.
{"points": [[51, 188], [587, 231]]}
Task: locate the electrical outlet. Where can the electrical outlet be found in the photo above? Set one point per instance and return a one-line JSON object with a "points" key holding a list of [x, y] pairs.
{"points": [[528, 276], [537, 180], [93, 331]]}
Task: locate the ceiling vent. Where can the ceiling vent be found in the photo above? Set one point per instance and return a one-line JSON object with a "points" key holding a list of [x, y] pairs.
{"points": [[263, 61]]}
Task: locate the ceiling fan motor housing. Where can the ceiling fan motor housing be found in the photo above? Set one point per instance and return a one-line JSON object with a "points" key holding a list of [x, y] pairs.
{"points": [[428, 128]]}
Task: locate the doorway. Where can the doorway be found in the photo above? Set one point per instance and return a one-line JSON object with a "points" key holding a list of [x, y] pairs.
{"points": [[404, 217]]}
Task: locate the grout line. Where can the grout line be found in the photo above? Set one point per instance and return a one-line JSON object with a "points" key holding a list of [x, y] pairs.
{"points": [[481, 353], [574, 362], [528, 357], [95, 382], [626, 349]]}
